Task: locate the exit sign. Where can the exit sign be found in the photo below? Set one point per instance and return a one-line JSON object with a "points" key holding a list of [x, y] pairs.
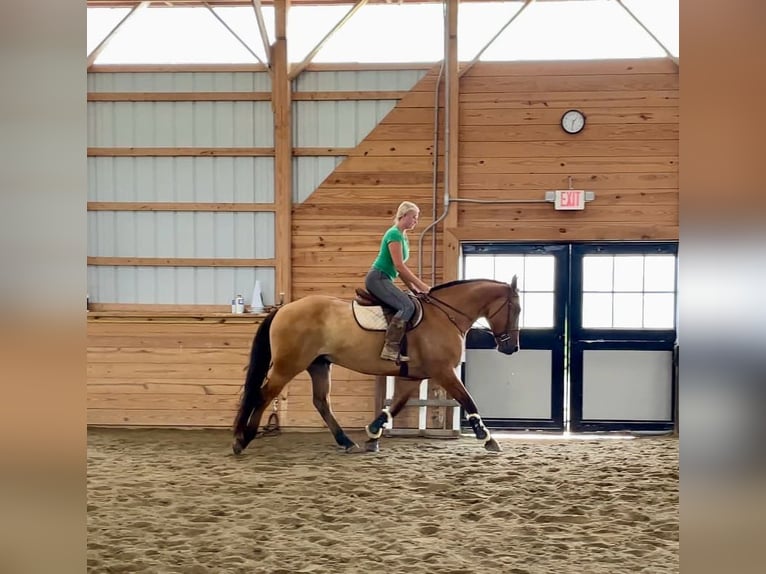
{"points": [[569, 199]]}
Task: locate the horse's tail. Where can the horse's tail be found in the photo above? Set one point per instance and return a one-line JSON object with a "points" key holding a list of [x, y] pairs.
{"points": [[260, 360]]}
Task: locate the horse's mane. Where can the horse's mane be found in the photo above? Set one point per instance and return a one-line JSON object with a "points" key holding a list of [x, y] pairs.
{"points": [[461, 282]]}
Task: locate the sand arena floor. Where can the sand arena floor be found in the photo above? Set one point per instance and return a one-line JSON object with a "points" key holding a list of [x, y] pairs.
{"points": [[175, 501]]}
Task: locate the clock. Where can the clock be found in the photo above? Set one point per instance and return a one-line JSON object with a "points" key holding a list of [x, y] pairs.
{"points": [[573, 121]]}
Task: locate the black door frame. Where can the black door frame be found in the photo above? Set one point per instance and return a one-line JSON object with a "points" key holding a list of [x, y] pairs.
{"points": [[567, 340], [583, 339]]}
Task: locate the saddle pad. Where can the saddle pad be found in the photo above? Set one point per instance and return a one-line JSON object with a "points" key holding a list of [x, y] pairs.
{"points": [[369, 317]]}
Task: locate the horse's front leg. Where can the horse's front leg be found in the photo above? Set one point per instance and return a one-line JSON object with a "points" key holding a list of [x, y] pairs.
{"points": [[456, 389], [404, 389]]}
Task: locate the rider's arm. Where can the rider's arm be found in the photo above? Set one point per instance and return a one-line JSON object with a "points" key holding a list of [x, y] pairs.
{"points": [[410, 279]]}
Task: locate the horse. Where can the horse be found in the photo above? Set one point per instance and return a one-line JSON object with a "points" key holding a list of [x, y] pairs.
{"points": [[314, 332]]}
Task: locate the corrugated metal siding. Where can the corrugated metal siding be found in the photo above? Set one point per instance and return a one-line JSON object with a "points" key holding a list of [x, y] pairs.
{"points": [[178, 285], [179, 82], [208, 179], [186, 179], [180, 124], [180, 234]]}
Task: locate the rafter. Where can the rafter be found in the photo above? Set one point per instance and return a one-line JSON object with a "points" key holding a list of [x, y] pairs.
{"points": [[648, 31], [108, 38], [233, 33], [262, 29], [469, 65], [295, 72]]}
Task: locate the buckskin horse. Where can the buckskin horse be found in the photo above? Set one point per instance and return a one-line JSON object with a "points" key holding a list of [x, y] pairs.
{"points": [[316, 331]]}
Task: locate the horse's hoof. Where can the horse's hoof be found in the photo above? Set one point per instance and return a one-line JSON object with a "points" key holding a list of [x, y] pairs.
{"points": [[492, 446], [237, 447], [354, 449], [372, 446]]}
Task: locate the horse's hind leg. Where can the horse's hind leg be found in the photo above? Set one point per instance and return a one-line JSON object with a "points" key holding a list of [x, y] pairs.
{"points": [[405, 388], [320, 382], [455, 387], [275, 381]]}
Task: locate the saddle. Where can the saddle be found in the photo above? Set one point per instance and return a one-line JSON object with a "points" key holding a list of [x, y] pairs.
{"points": [[373, 314]]}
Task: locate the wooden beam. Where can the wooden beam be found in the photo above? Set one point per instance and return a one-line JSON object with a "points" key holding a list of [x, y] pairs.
{"points": [[212, 152], [350, 95], [178, 206], [322, 151], [254, 67], [180, 262], [313, 96], [180, 151], [233, 33], [262, 31], [648, 31], [451, 245], [469, 65], [179, 96], [313, 52], [283, 152], [108, 38]]}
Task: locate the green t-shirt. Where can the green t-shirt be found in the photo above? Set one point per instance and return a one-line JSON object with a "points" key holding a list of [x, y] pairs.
{"points": [[384, 262]]}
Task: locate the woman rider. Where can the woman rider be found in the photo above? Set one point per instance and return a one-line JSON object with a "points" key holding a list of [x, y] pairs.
{"points": [[390, 263]]}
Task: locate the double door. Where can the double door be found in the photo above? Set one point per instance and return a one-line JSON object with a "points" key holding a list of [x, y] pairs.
{"points": [[598, 337]]}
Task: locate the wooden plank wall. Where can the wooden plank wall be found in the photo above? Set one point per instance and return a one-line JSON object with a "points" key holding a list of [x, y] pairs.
{"points": [[511, 147], [185, 371]]}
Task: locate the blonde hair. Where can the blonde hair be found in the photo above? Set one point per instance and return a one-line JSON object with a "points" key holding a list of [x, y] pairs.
{"points": [[404, 208]]}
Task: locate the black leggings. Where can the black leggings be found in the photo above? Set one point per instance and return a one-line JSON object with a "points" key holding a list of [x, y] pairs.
{"points": [[381, 285]]}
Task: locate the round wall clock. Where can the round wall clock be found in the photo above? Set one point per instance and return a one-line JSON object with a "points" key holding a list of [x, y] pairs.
{"points": [[573, 121]]}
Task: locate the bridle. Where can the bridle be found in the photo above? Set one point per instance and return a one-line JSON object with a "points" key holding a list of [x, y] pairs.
{"points": [[499, 338]]}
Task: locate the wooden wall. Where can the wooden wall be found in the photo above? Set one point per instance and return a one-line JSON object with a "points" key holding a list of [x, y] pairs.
{"points": [[511, 146], [181, 371]]}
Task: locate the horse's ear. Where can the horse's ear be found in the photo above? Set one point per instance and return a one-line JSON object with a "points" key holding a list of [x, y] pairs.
{"points": [[513, 283]]}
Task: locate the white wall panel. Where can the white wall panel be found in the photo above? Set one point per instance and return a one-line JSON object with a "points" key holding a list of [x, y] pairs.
{"points": [[180, 124], [179, 82], [180, 234], [183, 179], [178, 285], [627, 385], [505, 386]]}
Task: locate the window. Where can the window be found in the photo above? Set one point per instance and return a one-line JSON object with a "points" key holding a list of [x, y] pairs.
{"points": [[535, 279], [628, 292]]}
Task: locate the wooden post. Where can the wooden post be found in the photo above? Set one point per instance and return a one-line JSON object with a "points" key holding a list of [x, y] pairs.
{"points": [[452, 95], [283, 153]]}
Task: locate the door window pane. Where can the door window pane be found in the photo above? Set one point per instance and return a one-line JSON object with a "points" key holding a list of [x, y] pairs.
{"points": [[596, 310], [628, 310], [539, 273], [506, 266], [660, 273], [479, 267], [659, 311], [629, 273], [537, 310], [597, 272]]}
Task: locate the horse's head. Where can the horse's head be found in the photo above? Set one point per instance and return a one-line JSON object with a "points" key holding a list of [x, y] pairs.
{"points": [[504, 320]]}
